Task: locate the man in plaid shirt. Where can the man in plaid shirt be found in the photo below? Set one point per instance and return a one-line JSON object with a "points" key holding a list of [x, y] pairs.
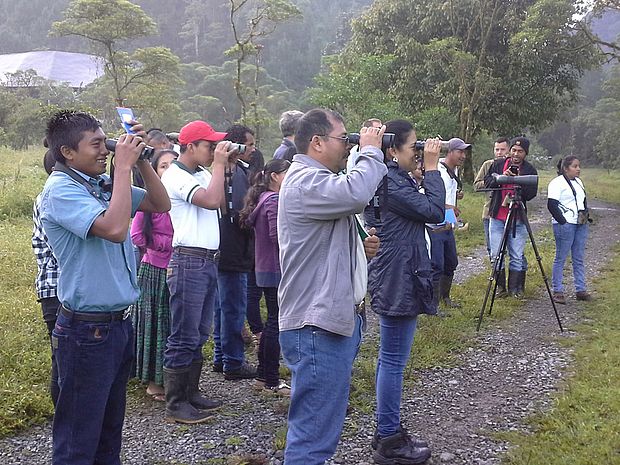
{"points": [[47, 275]]}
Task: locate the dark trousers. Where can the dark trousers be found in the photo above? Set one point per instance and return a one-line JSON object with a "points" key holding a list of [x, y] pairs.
{"points": [[443, 254], [94, 361], [193, 297], [269, 347], [253, 313], [49, 307]]}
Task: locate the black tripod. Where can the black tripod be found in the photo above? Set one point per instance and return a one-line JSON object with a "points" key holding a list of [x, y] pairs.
{"points": [[516, 211]]}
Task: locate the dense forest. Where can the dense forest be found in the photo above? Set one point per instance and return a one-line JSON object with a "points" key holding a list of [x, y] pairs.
{"points": [[472, 68]]}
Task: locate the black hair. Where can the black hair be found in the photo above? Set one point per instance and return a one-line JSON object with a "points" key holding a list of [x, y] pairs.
{"points": [[48, 162], [315, 122], [237, 133], [147, 224], [259, 185], [501, 140], [564, 163], [401, 130], [155, 135], [65, 128]]}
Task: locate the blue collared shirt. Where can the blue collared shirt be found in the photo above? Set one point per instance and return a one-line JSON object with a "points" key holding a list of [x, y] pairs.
{"points": [[96, 275]]}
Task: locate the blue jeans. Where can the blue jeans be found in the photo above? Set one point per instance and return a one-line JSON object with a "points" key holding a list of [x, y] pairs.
{"points": [[94, 362], [516, 245], [193, 294], [569, 238], [444, 258], [395, 347], [229, 319], [320, 364]]}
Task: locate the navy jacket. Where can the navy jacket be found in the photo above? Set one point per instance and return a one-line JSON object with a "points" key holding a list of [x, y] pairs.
{"points": [[399, 277]]}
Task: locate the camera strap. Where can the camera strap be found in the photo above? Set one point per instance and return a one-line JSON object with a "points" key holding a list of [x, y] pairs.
{"points": [[452, 174], [105, 185], [572, 188]]}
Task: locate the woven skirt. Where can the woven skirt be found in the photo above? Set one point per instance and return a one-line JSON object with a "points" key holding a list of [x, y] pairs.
{"points": [[151, 322]]}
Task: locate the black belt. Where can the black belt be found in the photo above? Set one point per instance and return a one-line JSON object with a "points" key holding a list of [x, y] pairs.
{"points": [[198, 252], [95, 317]]}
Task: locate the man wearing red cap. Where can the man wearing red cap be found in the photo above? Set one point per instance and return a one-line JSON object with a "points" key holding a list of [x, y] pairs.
{"points": [[195, 196]]}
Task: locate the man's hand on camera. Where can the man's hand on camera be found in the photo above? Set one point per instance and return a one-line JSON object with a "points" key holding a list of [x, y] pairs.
{"points": [[128, 149], [371, 243], [221, 154], [138, 129], [372, 136], [507, 172], [432, 148]]}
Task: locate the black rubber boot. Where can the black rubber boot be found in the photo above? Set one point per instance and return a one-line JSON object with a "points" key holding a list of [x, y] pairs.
{"points": [[178, 409], [522, 283], [501, 284], [397, 449], [514, 283], [445, 284], [193, 392]]}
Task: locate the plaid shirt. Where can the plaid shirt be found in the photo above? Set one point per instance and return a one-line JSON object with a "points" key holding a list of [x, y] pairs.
{"points": [[47, 276]]}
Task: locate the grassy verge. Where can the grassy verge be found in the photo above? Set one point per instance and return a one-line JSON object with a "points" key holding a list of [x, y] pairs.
{"points": [[24, 352], [583, 427]]}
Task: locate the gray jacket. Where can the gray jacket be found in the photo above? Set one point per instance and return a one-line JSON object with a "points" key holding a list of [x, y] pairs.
{"points": [[317, 238]]}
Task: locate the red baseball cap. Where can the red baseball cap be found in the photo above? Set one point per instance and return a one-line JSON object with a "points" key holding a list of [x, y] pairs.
{"points": [[199, 130]]}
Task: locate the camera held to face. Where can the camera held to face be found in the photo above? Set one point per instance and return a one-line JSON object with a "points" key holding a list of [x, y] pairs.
{"points": [[386, 142], [146, 154], [420, 144], [239, 148]]}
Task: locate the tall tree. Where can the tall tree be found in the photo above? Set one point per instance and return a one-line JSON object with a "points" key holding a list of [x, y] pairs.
{"points": [[498, 66], [110, 26], [260, 21]]}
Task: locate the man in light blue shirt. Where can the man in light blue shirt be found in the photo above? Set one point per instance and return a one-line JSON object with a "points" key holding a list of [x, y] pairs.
{"points": [[87, 227]]}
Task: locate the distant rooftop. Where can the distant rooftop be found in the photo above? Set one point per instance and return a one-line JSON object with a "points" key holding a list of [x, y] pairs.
{"points": [[74, 69]]}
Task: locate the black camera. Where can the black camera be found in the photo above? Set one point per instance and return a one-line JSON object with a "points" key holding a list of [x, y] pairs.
{"points": [[146, 154], [527, 180], [240, 148], [386, 142], [420, 144], [514, 169]]}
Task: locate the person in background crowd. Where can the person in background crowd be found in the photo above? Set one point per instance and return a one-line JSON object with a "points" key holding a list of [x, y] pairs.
{"points": [[152, 232], [236, 261], [47, 275], [514, 165], [261, 214], [567, 202], [288, 124], [443, 244], [196, 195], [353, 153], [400, 282], [320, 331]]}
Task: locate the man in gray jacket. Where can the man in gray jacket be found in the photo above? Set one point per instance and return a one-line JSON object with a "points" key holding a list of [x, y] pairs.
{"points": [[320, 331]]}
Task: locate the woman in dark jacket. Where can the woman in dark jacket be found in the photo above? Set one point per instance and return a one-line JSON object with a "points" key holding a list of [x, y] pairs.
{"points": [[399, 280]]}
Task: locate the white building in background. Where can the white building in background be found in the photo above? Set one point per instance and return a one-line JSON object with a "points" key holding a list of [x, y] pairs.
{"points": [[76, 70]]}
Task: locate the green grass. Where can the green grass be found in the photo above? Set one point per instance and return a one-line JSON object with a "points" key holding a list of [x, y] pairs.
{"points": [[584, 425], [24, 352]]}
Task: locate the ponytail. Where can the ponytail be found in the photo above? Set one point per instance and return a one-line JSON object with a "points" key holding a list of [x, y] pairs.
{"points": [[260, 184]]}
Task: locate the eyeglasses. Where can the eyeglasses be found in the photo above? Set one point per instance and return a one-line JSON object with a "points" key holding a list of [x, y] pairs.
{"points": [[344, 139]]}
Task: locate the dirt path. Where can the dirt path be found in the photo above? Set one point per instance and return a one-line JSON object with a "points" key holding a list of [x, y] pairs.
{"points": [[508, 373]]}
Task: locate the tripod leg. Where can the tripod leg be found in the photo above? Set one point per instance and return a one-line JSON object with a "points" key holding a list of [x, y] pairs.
{"points": [[542, 269], [497, 265]]}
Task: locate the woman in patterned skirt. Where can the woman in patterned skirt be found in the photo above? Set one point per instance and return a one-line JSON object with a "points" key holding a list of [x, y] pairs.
{"points": [[152, 233]]}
